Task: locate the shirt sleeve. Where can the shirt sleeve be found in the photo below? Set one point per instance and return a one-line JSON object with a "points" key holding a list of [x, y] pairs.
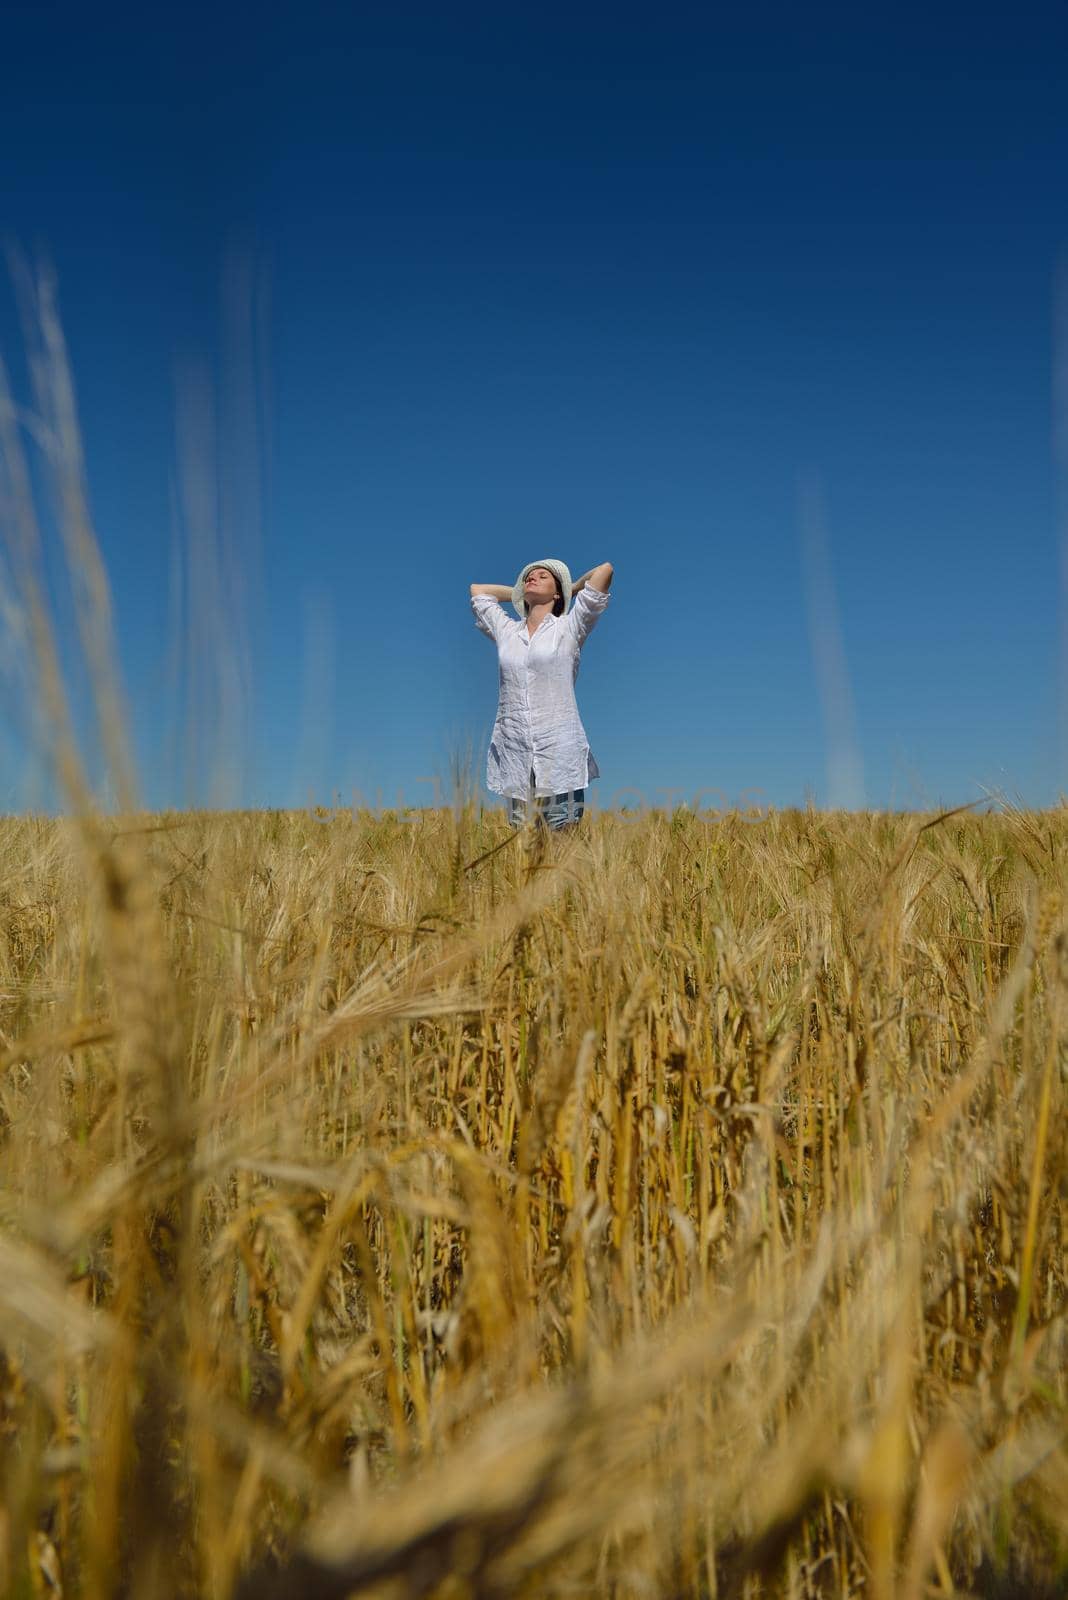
{"points": [[586, 607], [489, 614]]}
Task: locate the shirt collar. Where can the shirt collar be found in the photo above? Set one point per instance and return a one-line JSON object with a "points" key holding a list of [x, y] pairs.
{"points": [[549, 618]]}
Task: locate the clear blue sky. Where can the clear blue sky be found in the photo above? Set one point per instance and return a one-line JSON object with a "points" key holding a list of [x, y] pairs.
{"points": [[755, 302]]}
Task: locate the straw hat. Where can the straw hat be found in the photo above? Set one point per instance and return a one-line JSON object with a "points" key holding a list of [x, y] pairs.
{"points": [[561, 572]]}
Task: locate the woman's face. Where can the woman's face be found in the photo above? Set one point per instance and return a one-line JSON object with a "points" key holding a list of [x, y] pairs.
{"points": [[540, 585]]}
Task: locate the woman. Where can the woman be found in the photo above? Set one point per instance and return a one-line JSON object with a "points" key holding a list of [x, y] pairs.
{"points": [[539, 756]]}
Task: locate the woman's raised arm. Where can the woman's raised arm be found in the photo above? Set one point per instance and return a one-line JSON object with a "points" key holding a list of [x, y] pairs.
{"points": [[496, 591], [597, 578]]}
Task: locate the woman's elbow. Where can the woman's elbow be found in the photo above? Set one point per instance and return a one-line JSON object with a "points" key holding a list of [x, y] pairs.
{"points": [[601, 576]]}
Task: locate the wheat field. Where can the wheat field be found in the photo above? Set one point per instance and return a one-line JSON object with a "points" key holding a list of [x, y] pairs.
{"points": [[403, 1206], [400, 1206]]}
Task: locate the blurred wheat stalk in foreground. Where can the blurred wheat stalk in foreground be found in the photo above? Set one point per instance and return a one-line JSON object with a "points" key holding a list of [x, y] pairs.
{"points": [[672, 1210]]}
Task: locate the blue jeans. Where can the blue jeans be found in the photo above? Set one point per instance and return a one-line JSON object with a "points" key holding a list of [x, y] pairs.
{"points": [[550, 811]]}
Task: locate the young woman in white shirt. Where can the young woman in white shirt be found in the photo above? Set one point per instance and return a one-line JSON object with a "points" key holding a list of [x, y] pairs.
{"points": [[539, 756]]}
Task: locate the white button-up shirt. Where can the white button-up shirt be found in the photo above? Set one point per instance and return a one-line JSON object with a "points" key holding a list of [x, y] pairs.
{"points": [[538, 727]]}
